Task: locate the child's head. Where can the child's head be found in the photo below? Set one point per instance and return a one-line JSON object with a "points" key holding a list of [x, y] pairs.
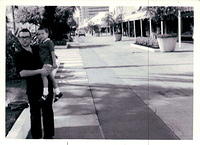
{"points": [[43, 33]]}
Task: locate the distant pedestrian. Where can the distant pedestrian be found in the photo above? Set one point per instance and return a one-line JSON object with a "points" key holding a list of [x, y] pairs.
{"points": [[47, 56], [29, 66]]}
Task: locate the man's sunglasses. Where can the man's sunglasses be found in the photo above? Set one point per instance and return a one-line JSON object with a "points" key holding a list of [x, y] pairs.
{"points": [[24, 37]]}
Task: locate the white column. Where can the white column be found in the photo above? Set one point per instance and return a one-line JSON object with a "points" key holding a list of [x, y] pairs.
{"points": [[113, 29], [122, 29], [134, 29], [129, 34], [161, 27], [179, 28], [141, 27], [150, 27]]}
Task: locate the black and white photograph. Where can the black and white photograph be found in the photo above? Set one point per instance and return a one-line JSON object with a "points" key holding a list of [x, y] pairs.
{"points": [[114, 72]]}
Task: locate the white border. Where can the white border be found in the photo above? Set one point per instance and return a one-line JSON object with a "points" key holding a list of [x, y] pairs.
{"points": [[196, 126]]}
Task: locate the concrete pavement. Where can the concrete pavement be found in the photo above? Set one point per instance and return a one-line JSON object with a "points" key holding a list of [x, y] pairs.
{"points": [[105, 97], [75, 114], [164, 81], [113, 91], [101, 111]]}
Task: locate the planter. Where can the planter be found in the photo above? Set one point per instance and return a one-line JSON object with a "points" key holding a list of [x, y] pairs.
{"points": [[118, 37], [167, 44], [97, 34]]}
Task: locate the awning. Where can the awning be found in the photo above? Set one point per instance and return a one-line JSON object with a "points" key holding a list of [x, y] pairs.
{"points": [[97, 20], [83, 25], [136, 16]]}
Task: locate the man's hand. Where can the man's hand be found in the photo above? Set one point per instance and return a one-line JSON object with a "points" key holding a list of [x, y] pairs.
{"points": [[46, 69]]}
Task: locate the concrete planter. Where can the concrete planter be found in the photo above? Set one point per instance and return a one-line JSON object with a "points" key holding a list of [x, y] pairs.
{"points": [[118, 37], [97, 34], [167, 44]]}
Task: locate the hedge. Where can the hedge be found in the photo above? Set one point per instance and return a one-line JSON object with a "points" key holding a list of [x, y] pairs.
{"points": [[147, 41]]}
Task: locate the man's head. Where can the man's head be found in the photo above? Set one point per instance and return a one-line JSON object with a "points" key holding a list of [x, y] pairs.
{"points": [[24, 37], [43, 33]]}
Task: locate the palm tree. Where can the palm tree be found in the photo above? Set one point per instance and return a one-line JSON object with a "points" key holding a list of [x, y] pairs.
{"points": [[109, 20]]}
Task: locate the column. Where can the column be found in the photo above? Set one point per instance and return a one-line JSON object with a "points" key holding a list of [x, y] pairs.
{"points": [[134, 29], [161, 27], [150, 28], [122, 29], [141, 27], [179, 28]]}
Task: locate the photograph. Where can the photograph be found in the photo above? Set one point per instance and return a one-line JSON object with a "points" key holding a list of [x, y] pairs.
{"points": [[104, 73]]}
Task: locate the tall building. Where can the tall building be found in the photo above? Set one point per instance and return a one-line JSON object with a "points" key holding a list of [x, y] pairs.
{"points": [[90, 11]]}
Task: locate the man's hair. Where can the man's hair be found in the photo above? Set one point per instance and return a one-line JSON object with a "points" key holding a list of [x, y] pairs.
{"points": [[44, 28], [24, 30]]}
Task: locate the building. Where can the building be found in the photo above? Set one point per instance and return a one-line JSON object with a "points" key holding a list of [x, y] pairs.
{"points": [[87, 12]]}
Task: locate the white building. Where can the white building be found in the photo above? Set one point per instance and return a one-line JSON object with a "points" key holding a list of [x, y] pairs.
{"points": [[87, 12]]}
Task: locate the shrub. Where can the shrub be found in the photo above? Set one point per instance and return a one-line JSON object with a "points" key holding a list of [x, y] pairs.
{"points": [[167, 35], [61, 42], [12, 45], [147, 41]]}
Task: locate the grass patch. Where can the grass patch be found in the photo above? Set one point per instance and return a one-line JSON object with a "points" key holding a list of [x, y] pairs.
{"points": [[13, 111], [16, 101]]}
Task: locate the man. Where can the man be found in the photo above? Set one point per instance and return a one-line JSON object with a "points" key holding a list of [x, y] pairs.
{"points": [[29, 67]]}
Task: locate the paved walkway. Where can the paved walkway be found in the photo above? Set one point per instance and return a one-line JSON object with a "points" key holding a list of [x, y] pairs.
{"points": [[107, 98], [75, 113], [101, 111]]}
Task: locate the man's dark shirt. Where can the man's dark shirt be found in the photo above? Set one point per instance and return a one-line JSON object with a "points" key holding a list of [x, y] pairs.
{"points": [[26, 60]]}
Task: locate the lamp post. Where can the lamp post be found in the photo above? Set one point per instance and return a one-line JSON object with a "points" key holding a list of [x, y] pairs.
{"points": [[13, 15]]}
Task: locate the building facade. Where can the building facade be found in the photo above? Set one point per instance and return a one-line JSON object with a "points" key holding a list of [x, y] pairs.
{"points": [[87, 12]]}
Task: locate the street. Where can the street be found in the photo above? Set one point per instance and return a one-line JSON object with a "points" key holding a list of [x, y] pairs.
{"points": [[114, 91]]}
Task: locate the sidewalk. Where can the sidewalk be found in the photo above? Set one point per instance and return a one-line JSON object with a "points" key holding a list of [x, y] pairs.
{"points": [[137, 98], [96, 110], [75, 114], [84, 113]]}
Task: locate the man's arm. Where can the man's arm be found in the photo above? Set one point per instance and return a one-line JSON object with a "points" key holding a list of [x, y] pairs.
{"points": [[27, 73], [43, 71]]}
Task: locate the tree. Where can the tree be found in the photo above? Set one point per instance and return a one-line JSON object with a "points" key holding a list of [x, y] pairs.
{"points": [[30, 14], [56, 19], [48, 19], [163, 15], [109, 20]]}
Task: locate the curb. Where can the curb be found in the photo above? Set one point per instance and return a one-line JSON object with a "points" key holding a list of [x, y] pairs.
{"points": [[21, 127], [61, 46], [144, 48]]}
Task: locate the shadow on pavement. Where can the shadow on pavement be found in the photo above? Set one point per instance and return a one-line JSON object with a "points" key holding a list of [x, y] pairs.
{"points": [[86, 46], [123, 114], [141, 65]]}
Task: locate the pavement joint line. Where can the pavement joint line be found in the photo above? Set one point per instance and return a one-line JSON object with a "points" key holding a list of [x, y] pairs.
{"points": [[89, 88], [73, 65], [71, 81], [153, 110], [96, 112]]}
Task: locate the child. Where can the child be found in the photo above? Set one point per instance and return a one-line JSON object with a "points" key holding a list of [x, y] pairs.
{"points": [[47, 55]]}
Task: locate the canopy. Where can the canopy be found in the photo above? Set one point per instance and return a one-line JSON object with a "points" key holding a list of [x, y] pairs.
{"points": [[98, 19], [83, 25], [137, 16]]}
